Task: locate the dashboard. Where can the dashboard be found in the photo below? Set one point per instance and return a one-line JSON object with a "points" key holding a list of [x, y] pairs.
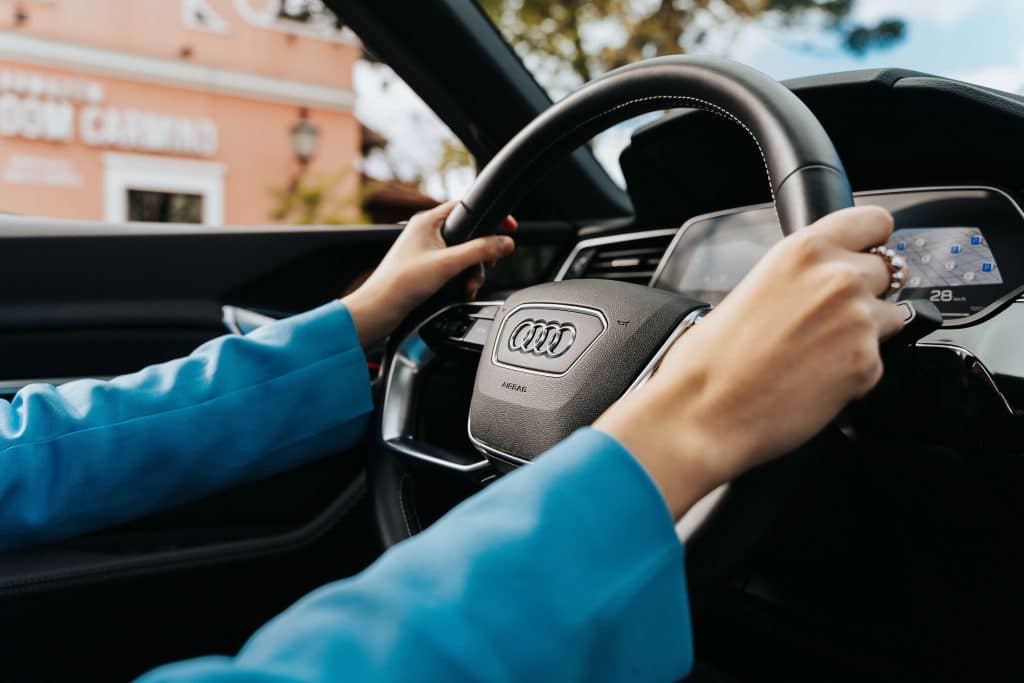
{"points": [[960, 244], [915, 496]]}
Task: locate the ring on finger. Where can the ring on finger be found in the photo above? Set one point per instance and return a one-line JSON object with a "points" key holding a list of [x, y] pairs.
{"points": [[897, 268]]}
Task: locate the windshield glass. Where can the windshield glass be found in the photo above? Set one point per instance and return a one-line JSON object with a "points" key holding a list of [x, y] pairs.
{"points": [[565, 43]]}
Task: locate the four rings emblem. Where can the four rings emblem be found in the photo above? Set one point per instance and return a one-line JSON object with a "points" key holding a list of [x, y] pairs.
{"points": [[544, 338]]}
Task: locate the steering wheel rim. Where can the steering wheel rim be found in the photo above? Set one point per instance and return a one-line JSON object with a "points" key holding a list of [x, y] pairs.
{"points": [[805, 175], [806, 178]]}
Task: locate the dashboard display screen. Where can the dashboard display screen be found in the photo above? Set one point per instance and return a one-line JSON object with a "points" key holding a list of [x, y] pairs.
{"points": [[961, 246], [945, 257]]}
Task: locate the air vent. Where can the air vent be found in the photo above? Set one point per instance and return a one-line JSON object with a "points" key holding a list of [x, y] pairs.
{"points": [[628, 258]]}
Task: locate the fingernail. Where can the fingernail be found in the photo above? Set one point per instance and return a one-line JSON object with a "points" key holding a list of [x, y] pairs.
{"points": [[507, 245]]}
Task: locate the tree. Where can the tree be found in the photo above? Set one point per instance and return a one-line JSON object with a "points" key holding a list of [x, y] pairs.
{"points": [[585, 38], [320, 198]]}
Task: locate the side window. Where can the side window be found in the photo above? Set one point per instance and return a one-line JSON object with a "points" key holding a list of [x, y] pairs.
{"points": [[216, 112]]}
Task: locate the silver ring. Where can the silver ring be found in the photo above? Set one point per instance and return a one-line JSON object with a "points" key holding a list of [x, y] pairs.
{"points": [[897, 268]]}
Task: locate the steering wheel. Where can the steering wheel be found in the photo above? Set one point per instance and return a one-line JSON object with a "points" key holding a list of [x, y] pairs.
{"points": [[558, 354]]}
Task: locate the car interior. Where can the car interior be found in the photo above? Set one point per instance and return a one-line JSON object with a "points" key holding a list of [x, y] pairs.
{"points": [[886, 548]]}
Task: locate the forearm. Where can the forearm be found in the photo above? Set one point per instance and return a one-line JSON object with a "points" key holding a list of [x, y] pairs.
{"points": [[670, 439], [89, 454], [566, 570]]}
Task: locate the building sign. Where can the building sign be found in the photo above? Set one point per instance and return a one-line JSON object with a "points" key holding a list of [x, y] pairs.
{"points": [[55, 109]]}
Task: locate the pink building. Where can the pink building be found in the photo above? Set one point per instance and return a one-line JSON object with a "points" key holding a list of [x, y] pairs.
{"points": [[169, 109]]}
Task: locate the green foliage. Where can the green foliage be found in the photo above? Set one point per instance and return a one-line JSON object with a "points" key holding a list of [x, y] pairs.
{"points": [[553, 34], [860, 39], [454, 156], [321, 198]]}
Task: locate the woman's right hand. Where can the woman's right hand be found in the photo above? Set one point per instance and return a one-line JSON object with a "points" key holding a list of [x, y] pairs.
{"points": [[764, 371]]}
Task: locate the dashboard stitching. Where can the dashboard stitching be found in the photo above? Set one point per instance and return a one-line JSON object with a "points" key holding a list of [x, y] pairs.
{"points": [[709, 107]]}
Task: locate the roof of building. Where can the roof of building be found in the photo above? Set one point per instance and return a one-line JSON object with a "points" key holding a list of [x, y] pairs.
{"points": [[395, 193]]}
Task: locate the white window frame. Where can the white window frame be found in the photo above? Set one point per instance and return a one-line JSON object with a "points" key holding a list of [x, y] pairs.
{"points": [[123, 172]]}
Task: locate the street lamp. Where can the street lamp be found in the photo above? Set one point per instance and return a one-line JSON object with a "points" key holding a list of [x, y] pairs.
{"points": [[305, 138]]}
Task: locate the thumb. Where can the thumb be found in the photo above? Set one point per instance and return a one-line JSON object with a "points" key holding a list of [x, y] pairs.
{"points": [[480, 250]]}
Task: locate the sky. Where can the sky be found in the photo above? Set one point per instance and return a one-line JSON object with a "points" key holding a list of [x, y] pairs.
{"points": [[980, 41], [414, 133]]}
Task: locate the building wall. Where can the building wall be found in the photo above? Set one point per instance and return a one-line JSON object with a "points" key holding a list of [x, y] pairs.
{"points": [[247, 81]]}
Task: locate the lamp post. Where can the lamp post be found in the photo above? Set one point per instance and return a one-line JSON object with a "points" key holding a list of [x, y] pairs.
{"points": [[305, 138]]}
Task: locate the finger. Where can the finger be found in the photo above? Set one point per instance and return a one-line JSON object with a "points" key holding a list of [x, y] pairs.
{"points": [[432, 219], [480, 250], [511, 224], [889, 318], [475, 282], [873, 271], [857, 228]]}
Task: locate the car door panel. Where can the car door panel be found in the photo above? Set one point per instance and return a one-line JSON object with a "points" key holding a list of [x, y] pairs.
{"points": [[96, 300]]}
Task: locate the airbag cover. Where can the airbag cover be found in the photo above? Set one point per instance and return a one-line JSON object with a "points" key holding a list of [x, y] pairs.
{"points": [[560, 354]]}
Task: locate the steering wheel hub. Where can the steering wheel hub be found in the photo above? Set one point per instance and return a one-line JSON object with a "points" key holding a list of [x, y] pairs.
{"points": [[560, 355]]}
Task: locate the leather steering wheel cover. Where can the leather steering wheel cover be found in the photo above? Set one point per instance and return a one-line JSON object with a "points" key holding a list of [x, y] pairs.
{"points": [[805, 175]]}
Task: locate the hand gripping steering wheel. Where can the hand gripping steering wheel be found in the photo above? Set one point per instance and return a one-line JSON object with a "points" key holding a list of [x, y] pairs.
{"points": [[558, 354]]}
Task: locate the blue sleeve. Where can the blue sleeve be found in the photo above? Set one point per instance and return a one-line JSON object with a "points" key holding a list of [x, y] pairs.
{"points": [[566, 570], [90, 454]]}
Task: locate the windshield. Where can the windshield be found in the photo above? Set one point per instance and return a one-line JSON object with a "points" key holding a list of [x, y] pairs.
{"points": [[565, 43]]}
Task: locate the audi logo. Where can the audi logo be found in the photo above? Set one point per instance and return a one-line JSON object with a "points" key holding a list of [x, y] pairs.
{"points": [[542, 338]]}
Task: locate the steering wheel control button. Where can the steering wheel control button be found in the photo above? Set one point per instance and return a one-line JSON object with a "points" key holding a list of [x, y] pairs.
{"points": [[907, 311], [451, 325], [487, 312], [920, 318], [477, 335], [546, 338], [462, 325]]}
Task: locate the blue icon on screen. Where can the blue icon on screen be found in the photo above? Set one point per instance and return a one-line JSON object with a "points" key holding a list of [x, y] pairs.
{"points": [[901, 246], [955, 249], [986, 267], [975, 239]]}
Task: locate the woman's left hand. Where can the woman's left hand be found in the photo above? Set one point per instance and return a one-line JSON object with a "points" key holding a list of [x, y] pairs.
{"points": [[418, 264]]}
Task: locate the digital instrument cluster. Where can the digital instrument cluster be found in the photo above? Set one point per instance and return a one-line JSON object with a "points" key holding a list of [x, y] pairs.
{"points": [[963, 248]]}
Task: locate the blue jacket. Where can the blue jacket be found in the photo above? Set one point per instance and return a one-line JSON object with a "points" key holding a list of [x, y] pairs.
{"points": [[568, 569]]}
